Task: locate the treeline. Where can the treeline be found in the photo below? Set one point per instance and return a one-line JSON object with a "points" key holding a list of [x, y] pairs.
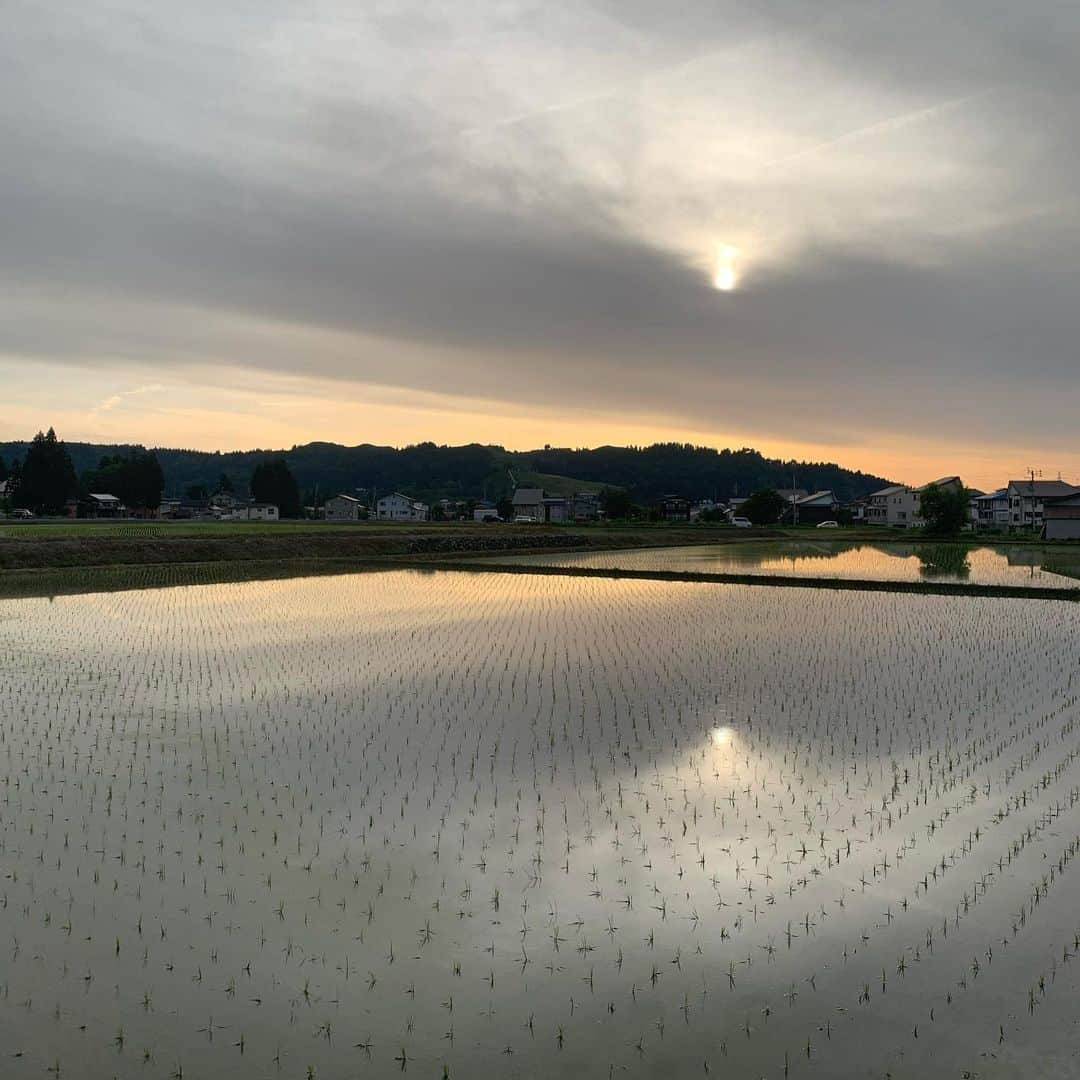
{"points": [[475, 471], [650, 472], [44, 479]]}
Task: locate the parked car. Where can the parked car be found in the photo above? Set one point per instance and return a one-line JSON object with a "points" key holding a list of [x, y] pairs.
{"points": [[742, 522], [828, 525], [22, 513], [524, 519]]}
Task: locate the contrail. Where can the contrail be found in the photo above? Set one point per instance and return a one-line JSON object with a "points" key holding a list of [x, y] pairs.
{"points": [[880, 127]]}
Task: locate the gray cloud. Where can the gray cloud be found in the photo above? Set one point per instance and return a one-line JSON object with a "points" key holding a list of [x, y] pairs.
{"points": [[526, 204]]}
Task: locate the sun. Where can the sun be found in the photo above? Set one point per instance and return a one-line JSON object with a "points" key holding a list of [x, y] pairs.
{"points": [[725, 279]]}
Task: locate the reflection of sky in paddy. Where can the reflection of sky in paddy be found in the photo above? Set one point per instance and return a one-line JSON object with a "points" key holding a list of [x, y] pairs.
{"points": [[521, 825], [1003, 565]]}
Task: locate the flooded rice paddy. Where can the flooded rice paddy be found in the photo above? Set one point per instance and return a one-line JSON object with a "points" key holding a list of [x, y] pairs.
{"points": [[455, 825], [1002, 565]]}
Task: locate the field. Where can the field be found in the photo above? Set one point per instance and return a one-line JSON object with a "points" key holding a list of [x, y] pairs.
{"points": [[482, 825]]}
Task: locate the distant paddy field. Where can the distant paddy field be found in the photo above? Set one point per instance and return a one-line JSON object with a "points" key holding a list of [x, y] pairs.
{"points": [[925, 561]]}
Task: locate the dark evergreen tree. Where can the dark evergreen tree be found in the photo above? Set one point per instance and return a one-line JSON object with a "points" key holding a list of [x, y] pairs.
{"points": [[764, 507], [272, 482], [135, 478], [47, 477], [616, 503]]}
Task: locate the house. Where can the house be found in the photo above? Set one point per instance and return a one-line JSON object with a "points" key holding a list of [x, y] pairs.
{"points": [[398, 507], [344, 508], [585, 506], [790, 496], [1027, 499], [877, 504], [255, 512], [900, 505], [991, 511], [857, 509], [673, 508], [486, 511], [223, 502], [529, 503], [816, 507], [101, 505], [1061, 517], [557, 508]]}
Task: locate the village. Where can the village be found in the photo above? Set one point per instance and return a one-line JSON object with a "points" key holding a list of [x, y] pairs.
{"points": [[1049, 509]]}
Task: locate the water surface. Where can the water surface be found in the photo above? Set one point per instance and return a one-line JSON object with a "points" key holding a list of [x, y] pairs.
{"points": [[525, 826], [986, 565]]}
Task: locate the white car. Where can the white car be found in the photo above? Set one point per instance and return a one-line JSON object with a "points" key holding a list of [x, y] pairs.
{"points": [[828, 525], [742, 523], [524, 519]]}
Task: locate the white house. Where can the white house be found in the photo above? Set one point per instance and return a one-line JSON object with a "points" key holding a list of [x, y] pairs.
{"points": [[255, 512], [344, 508], [398, 507], [1027, 499], [899, 505], [992, 510], [877, 504]]}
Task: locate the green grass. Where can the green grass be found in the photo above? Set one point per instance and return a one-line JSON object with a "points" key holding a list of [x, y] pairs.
{"points": [[559, 485]]}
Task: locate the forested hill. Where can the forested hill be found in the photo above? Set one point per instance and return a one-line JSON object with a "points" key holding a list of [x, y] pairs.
{"points": [[475, 471], [698, 471]]}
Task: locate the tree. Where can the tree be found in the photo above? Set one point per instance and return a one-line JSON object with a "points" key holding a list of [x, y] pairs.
{"points": [[945, 510], [764, 507], [196, 492], [616, 504], [505, 508], [3, 470], [135, 479], [224, 484], [47, 477], [272, 482]]}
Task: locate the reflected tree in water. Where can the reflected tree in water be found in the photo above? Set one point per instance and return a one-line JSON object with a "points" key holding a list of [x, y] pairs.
{"points": [[944, 561]]}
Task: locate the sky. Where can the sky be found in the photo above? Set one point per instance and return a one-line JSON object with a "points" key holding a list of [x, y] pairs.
{"points": [[836, 231]]}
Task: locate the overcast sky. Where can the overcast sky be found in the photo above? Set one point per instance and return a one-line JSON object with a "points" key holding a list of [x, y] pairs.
{"points": [[233, 223]]}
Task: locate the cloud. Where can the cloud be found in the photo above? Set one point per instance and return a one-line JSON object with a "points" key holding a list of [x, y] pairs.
{"points": [[524, 204]]}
